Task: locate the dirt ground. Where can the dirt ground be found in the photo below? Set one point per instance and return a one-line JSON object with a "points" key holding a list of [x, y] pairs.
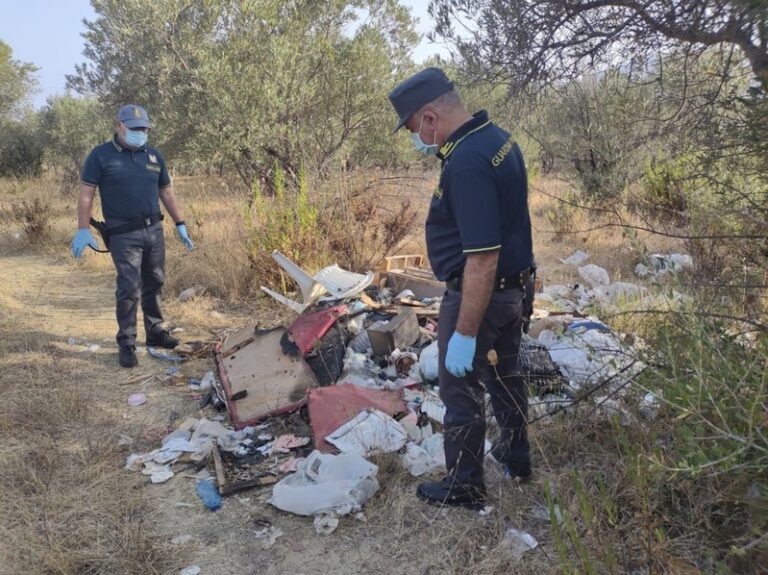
{"points": [[47, 299]]}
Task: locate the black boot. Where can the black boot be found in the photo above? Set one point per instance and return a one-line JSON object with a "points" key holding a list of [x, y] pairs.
{"points": [[128, 356], [448, 492], [162, 339]]}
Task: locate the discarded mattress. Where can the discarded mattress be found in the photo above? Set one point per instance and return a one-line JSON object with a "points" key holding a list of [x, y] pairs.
{"points": [[258, 367]]}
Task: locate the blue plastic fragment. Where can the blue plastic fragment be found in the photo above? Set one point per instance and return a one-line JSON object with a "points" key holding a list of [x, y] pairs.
{"points": [[587, 325], [208, 494]]}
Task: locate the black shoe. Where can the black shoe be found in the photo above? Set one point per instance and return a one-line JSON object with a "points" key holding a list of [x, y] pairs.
{"points": [[162, 339], [447, 492], [518, 471], [128, 356]]}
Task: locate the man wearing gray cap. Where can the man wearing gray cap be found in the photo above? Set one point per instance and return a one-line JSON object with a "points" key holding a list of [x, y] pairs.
{"points": [[132, 179], [478, 235]]}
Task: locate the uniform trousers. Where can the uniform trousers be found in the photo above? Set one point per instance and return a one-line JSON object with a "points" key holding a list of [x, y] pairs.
{"points": [[464, 397], [139, 258]]}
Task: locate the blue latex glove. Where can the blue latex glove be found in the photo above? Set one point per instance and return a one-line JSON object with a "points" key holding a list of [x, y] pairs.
{"points": [[83, 238], [184, 236], [460, 354]]}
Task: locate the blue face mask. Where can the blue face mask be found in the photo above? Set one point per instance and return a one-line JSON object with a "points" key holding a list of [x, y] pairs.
{"points": [[135, 138], [420, 145]]}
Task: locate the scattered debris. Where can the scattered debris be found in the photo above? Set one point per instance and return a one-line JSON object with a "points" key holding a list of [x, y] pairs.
{"points": [[416, 425], [268, 535], [368, 433], [589, 356], [190, 293], [326, 523], [576, 259], [660, 265], [157, 354], [519, 542], [649, 406], [86, 345], [285, 443], [291, 465], [327, 483], [542, 512], [355, 371], [406, 272], [428, 362], [594, 275], [619, 291], [181, 540], [428, 457], [209, 495], [337, 282], [433, 406], [487, 510], [194, 349], [191, 570], [642, 270], [137, 399], [333, 406], [161, 475]]}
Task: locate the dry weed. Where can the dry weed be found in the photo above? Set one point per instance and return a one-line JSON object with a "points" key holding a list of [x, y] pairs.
{"points": [[67, 506]]}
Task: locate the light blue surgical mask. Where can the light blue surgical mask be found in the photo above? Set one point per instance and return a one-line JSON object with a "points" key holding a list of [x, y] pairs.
{"points": [[420, 145], [135, 138]]}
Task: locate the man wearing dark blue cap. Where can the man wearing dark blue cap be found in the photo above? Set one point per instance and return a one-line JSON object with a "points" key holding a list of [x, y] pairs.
{"points": [[478, 235], [132, 179]]}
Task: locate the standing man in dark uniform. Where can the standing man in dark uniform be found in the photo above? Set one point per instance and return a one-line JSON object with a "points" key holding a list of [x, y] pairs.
{"points": [[478, 234], [132, 179]]}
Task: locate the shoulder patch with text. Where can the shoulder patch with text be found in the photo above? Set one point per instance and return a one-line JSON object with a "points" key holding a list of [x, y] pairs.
{"points": [[502, 152]]}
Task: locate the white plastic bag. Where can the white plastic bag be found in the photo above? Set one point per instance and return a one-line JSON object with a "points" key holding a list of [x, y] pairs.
{"points": [[428, 362], [576, 259], [594, 275], [425, 458], [327, 483], [370, 431]]}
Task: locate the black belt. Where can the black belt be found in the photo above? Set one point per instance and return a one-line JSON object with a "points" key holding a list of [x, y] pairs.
{"points": [[133, 225], [515, 281]]}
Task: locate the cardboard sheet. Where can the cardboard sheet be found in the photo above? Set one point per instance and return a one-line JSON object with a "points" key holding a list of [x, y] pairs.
{"points": [[333, 406]]}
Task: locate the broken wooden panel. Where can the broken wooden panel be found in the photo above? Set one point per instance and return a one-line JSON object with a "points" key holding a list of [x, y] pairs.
{"points": [[421, 282], [260, 364]]}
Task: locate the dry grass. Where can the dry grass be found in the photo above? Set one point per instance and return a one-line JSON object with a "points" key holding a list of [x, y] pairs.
{"points": [[67, 506]]}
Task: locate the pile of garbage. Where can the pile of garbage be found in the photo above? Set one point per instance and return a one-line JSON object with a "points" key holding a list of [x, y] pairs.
{"points": [[596, 287], [355, 376]]}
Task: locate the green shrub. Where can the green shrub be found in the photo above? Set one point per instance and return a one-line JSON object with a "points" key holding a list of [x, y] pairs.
{"points": [[666, 185], [21, 151], [342, 222], [685, 491]]}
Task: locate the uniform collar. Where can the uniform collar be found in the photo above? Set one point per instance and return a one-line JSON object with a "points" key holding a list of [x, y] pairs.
{"points": [[478, 122]]}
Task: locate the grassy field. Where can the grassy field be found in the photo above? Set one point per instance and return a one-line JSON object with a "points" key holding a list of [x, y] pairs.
{"points": [[68, 507]]}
